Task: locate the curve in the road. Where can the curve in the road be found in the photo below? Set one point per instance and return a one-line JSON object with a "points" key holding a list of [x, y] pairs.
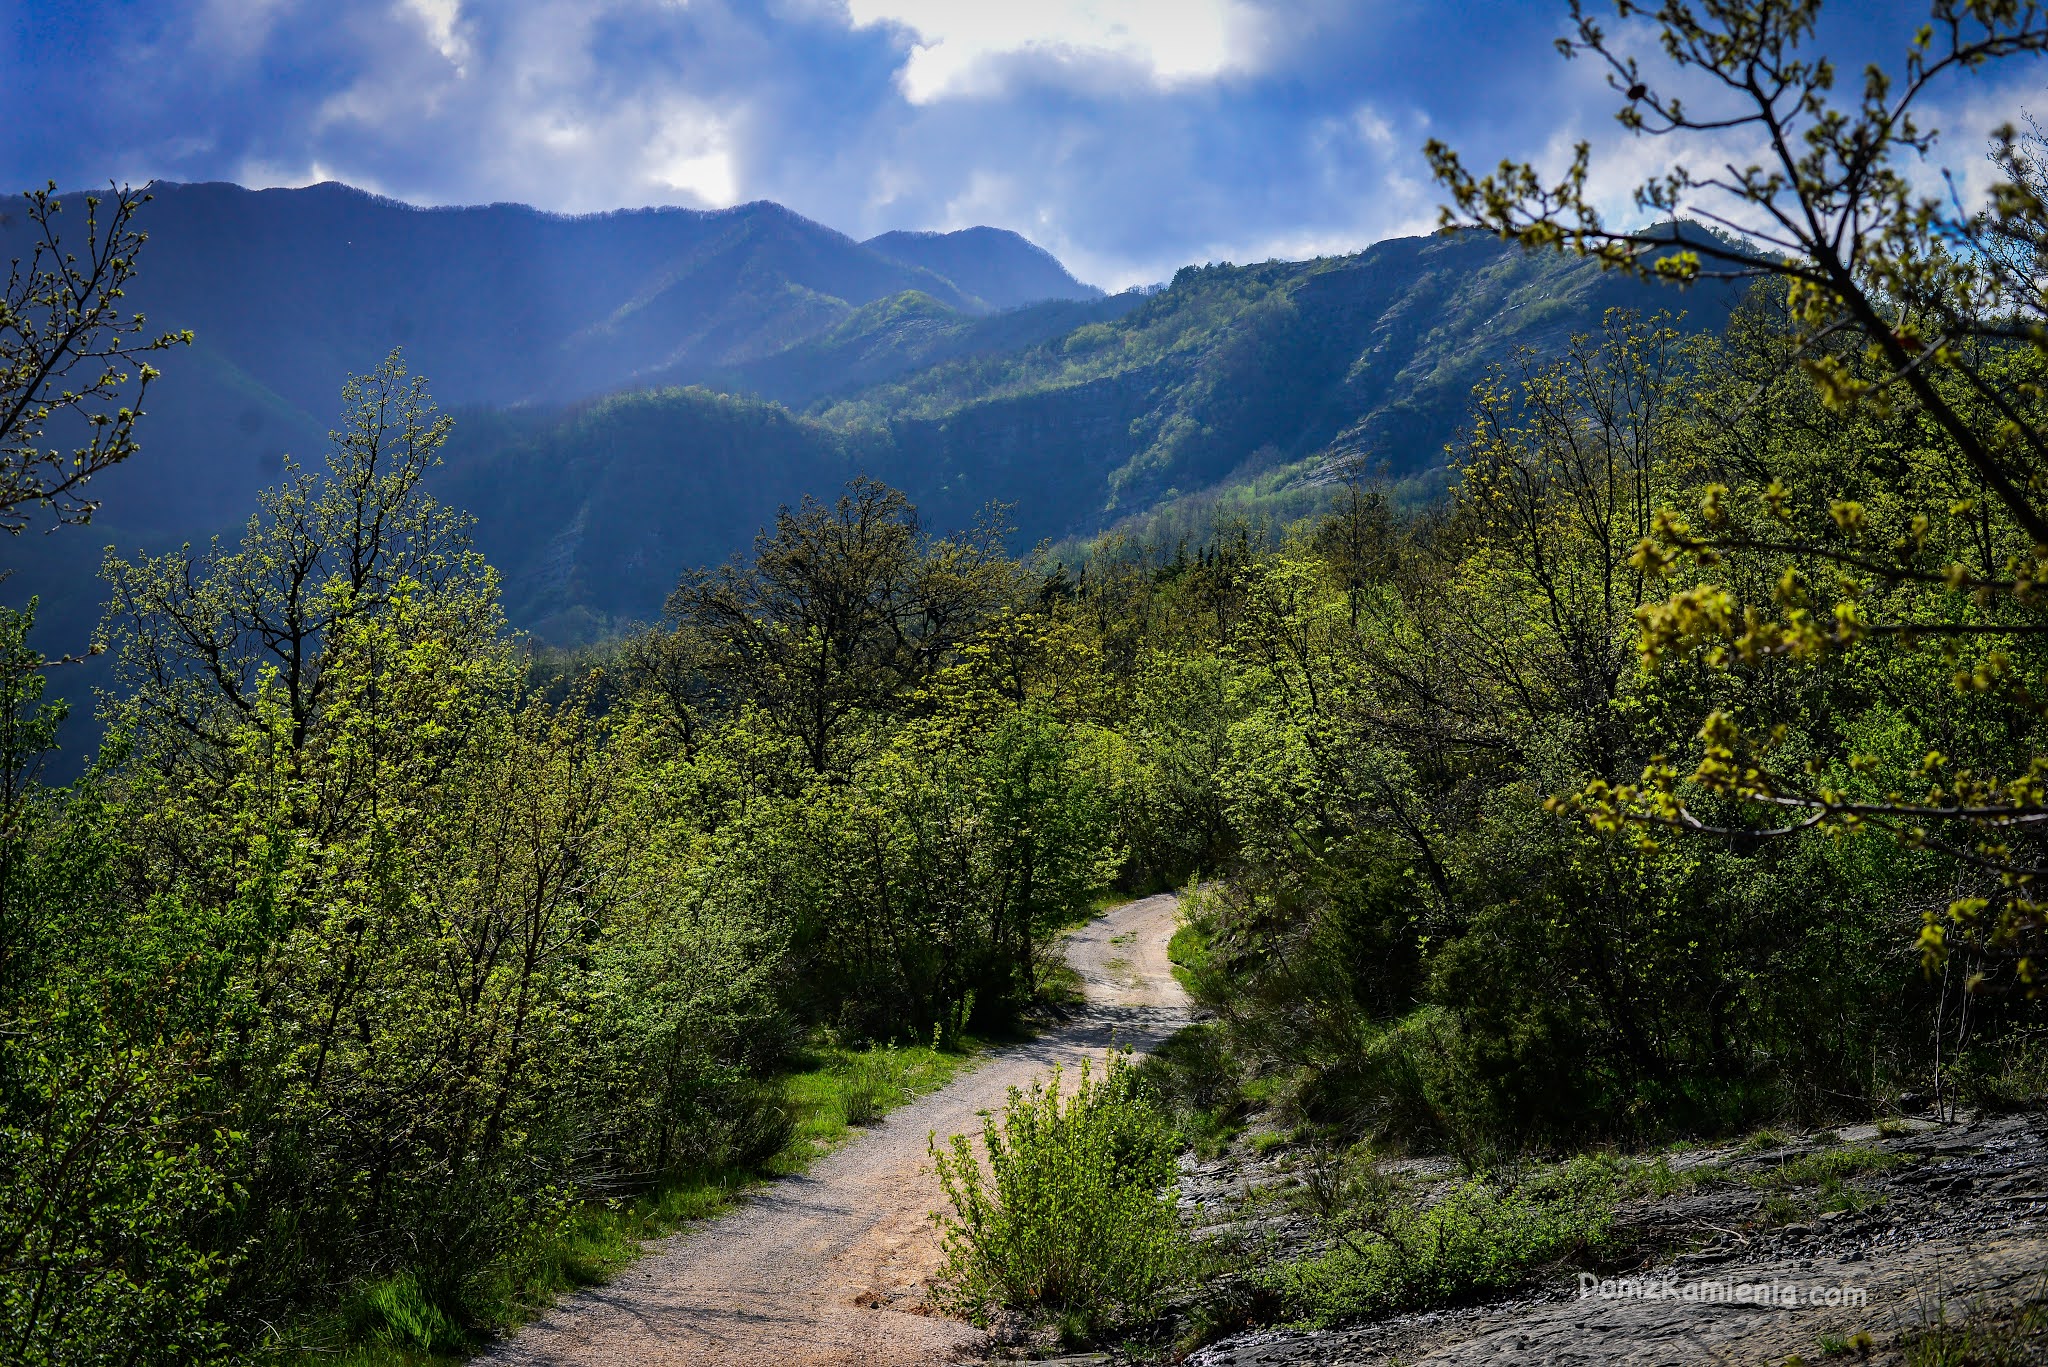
{"points": [[830, 1267]]}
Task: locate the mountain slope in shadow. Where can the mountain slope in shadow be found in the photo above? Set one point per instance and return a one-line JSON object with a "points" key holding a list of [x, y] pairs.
{"points": [[1284, 373], [1000, 267]]}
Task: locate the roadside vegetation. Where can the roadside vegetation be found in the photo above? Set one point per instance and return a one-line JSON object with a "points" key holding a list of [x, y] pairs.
{"points": [[829, 1094], [1065, 1207]]}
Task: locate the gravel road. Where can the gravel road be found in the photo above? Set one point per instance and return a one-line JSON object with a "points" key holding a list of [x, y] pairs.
{"points": [[830, 1267]]}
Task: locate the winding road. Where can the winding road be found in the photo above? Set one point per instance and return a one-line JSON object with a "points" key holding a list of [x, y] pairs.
{"points": [[830, 1267]]}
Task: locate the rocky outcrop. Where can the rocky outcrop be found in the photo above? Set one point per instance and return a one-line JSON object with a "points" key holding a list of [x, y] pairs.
{"points": [[1956, 1233]]}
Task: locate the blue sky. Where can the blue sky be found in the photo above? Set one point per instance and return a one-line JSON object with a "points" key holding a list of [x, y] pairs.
{"points": [[1127, 136]]}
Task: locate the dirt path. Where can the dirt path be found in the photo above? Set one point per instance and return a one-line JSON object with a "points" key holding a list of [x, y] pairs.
{"points": [[829, 1267]]}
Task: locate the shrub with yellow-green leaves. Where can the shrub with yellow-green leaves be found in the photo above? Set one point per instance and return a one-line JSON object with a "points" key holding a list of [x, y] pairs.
{"points": [[1073, 1215]]}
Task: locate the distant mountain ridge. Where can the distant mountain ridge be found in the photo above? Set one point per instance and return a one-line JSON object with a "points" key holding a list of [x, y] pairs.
{"points": [[1005, 270], [636, 392], [1279, 375], [502, 305]]}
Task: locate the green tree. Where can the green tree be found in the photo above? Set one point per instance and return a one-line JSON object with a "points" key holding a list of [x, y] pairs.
{"points": [[200, 638], [1897, 301], [71, 358], [843, 610]]}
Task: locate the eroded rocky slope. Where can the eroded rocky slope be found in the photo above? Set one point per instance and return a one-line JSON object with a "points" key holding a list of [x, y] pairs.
{"points": [[1941, 1256]]}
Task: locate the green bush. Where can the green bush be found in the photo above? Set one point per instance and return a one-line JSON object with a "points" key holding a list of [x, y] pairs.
{"points": [[2004, 1075], [1072, 1215], [1394, 1251]]}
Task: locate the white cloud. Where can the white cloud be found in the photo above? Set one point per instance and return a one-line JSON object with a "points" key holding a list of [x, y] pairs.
{"points": [[1126, 136], [991, 196], [960, 45], [439, 18], [693, 155], [1372, 128], [236, 30], [297, 176], [1967, 118]]}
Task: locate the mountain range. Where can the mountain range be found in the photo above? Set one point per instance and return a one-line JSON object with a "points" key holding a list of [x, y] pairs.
{"points": [[637, 391], [1249, 384]]}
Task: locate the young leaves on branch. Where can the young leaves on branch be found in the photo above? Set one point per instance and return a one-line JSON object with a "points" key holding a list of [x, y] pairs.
{"points": [[72, 367]]}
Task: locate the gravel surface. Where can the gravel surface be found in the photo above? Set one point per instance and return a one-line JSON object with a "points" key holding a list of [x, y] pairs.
{"points": [[831, 1267]]}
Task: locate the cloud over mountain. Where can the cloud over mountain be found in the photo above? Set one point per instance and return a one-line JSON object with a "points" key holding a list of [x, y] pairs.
{"points": [[1128, 137]]}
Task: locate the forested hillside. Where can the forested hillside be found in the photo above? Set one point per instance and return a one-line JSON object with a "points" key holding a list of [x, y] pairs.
{"points": [[513, 312], [1074, 416], [504, 305], [1256, 384]]}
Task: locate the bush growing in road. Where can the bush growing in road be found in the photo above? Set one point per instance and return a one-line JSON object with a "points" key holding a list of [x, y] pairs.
{"points": [[1072, 1215]]}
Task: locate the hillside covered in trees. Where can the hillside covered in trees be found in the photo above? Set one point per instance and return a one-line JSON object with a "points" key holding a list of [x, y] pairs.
{"points": [[1275, 378], [1256, 384]]}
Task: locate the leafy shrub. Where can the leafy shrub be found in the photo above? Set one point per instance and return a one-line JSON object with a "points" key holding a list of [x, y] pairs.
{"points": [[1395, 1085], [1071, 1215], [1394, 1251], [929, 880], [2008, 1075], [749, 1125]]}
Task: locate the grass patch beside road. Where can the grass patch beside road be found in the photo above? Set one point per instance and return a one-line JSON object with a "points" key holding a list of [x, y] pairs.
{"points": [[1394, 1250], [839, 1090]]}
